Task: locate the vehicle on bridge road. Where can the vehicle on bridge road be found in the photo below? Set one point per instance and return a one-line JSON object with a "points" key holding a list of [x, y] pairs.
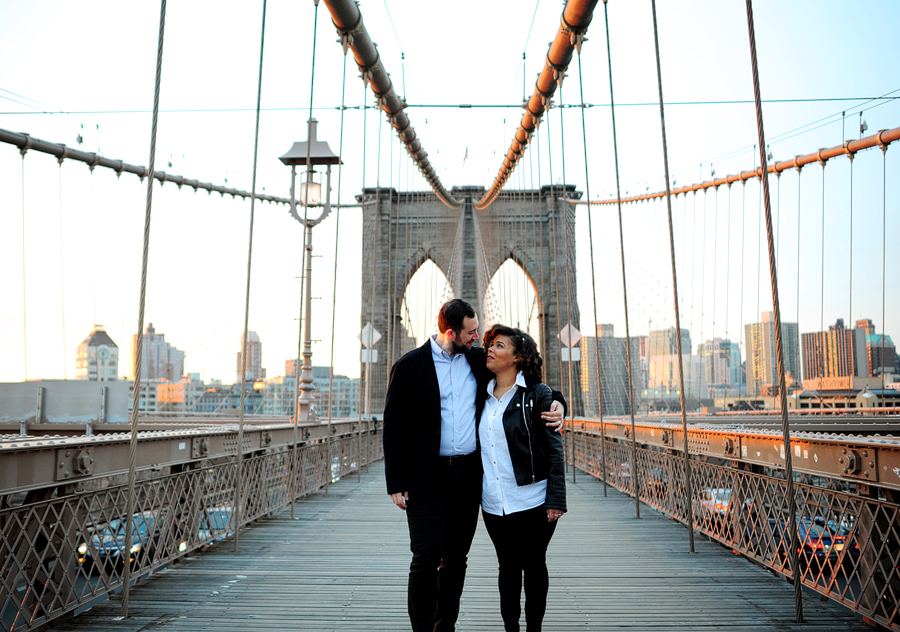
{"points": [[106, 547]]}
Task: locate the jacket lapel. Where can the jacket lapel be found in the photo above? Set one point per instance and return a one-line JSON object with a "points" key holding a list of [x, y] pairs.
{"points": [[428, 375]]}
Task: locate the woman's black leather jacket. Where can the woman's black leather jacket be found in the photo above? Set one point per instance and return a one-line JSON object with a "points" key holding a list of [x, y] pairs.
{"points": [[536, 451]]}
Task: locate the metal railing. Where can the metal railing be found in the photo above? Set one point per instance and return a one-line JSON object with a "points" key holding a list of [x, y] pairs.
{"points": [[61, 545], [846, 495]]}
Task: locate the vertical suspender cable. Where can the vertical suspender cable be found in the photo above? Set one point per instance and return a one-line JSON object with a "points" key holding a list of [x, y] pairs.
{"points": [[24, 296], [779, 346], [822, 272], [612, 109], [239, 454], [799, 182], [337, 226], [132, 452], [727, 349], [93, 249], [687, 456], [374, 267], [304, 264], [62, 274], [747, 370], [565, 215], [883, 254], [850, 313], [587, 191], [553, 219], [361, 401], [715, 257]]}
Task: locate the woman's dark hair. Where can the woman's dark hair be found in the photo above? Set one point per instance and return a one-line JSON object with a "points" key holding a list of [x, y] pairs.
{"points": [[530, 362], [452, 315]]}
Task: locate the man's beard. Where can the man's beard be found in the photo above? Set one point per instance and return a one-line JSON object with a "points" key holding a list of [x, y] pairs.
{"points": [[458, 348]]}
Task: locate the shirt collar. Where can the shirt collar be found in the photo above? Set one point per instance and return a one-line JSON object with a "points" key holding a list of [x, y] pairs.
{"points": [[436, 349], [520, 382]]}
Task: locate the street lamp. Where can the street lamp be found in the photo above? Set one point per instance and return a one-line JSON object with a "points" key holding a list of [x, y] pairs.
{"points": [[309, 153]]}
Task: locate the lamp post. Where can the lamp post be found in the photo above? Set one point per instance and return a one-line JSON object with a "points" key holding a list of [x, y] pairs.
{"points": [[310, 153]]}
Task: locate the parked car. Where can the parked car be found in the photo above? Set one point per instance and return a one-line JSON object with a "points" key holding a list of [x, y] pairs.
{"points": [[216, 523], [712, 501], [106, 547], [820, 541]]}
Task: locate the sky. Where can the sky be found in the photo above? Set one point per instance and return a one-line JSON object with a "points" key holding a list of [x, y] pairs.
{"points": [[70, 242]]}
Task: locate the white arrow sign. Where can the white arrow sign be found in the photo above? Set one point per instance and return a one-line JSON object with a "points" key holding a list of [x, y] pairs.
{"points": [[369, 336], [569, 336]]}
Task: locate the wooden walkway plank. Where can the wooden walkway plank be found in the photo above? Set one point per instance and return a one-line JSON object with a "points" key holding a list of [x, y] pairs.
{"points": [[342, 566]]}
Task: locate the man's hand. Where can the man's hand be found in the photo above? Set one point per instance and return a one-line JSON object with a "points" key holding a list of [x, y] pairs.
{"points": [[554, 417], [554, 514], [400, 499]]}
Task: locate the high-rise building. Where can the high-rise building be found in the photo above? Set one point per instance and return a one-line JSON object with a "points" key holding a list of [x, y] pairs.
{"points": [[838, 352], [665, 342], [881, 354], [613, 373], [762, 361], [722, 358], [663, 382], [278, 394], [97, 357], [159, 359], [254, 368]]}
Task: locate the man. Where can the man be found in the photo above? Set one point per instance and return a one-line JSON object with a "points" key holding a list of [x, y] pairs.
{"points": [[432, 465]]}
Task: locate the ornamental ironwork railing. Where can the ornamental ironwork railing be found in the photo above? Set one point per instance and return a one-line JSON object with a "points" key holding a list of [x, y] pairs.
{"points": [[847, 489], [62, 504]]}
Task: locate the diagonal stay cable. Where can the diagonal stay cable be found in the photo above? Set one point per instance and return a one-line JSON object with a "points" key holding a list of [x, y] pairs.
{"points": [[239, 454], [132, 451]]}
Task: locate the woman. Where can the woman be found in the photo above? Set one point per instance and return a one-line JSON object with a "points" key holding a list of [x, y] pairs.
{"points": [[524, 488]]}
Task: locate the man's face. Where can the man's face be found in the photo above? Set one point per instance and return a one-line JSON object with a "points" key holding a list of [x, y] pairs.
{"points": [[467, 336]]}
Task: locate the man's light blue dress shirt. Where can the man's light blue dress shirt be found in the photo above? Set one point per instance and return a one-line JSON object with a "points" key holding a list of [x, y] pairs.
{"points": [[458, 388]]}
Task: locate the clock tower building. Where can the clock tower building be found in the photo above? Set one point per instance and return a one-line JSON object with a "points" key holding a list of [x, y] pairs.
{"points": [[97, 359]]}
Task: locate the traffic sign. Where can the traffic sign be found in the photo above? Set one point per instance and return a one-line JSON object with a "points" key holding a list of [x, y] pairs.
{"points": [[369, 336], [569, 336]]}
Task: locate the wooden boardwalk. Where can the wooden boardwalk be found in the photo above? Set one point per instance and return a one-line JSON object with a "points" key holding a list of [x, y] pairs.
{"points": [[342, 565]]}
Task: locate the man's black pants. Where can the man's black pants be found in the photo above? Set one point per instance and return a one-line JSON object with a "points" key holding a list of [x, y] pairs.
{"points": [[441, 528]]}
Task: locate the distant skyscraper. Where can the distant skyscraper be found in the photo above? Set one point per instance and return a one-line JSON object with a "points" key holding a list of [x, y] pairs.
{"points": [[663, 382], [723, 363], [97, 357], [254, 368], [880, 350], [664, 342], [613, 372], [838, 352], [159, 359], [762, 361]]}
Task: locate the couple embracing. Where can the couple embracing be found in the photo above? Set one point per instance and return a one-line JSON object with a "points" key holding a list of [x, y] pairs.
{"points": [[463, 427]]}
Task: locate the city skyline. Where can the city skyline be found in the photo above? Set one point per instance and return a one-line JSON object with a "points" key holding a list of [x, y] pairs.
{"points": [[80, 263]]}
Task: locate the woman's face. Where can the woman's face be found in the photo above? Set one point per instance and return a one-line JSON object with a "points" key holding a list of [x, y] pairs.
{"points": [[501, 355]]}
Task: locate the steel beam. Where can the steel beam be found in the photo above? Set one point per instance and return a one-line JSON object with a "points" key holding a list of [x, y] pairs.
{"points": [[873, 460], [37, 462]]}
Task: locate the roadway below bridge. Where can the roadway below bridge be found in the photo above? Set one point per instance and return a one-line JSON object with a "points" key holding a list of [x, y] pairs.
{"points": [[342, 565]]}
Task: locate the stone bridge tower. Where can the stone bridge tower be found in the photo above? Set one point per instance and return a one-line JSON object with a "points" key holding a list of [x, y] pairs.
{"points": [[401, 230]]}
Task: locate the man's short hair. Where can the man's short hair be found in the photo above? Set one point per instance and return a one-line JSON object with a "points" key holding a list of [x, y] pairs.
{"points": [[452, 314]]}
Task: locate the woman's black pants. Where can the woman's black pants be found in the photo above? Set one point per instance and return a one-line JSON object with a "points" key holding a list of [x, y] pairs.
{"points": [[521, 540]]}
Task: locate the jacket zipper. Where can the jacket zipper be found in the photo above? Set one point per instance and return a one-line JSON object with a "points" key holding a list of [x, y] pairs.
{"points": [[528, 430]]}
